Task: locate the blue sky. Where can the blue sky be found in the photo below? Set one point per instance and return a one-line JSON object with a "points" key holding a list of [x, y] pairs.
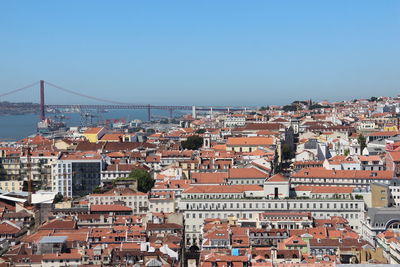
{"points": [[201, 52]]}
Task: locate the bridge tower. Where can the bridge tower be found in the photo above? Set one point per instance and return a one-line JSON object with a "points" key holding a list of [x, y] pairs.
{"points": [[42, 109], [170, 113], [194, 112], [148, 112]]}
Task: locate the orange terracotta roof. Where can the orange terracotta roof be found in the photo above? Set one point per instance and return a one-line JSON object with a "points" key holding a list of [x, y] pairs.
{"points": [[395, 155], [332, 189], [222, 189], [384, 133], [209, 177], [338, 174], [93, 130], [59, 224], [6, 228], [87, 155], [62, 256], [278, 178], [153, 159], [111, 137], [246, 173], [250, 141], [94, 208]]}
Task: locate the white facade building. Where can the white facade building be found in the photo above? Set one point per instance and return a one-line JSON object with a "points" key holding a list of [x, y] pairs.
{"points": [[197, 206], [236, 120]]}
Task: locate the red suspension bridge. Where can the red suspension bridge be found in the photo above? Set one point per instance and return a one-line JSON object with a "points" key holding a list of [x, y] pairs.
{"points": [[110, 104]]}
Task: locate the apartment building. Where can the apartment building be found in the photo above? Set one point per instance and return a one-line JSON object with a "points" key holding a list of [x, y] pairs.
{"points": [[10, 165], [77, 173], [40, 163], [137, 201]]}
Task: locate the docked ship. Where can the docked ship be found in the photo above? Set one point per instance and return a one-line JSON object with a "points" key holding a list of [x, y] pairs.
{"points": [[48, 126]]}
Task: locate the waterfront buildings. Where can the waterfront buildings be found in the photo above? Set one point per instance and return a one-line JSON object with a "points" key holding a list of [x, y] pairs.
{"points": [[266, 187]]}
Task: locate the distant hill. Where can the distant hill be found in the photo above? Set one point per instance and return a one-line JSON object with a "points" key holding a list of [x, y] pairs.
{"points": [[9, 108]]}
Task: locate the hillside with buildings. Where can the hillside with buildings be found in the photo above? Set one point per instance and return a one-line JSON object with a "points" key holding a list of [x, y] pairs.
{"points": [[305, 184]]}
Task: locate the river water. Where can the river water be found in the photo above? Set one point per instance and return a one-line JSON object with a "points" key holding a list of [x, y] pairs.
{"points": [[16, 127]]}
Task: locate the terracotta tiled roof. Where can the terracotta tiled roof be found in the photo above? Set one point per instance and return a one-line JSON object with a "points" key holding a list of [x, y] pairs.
{"points": [[62, 256], [88, 155], [222, 188], [163, 226], [119, 192], [325, 189], [153, 159], [395, 155], [337, 174], [332, 189], [385, 133], [246, 173], [209, 177], [36, 140], [59, 224], [116, 154], [93, 130], [121, 167], [278, 178], [87, 146], [6, 228], [94, 208], [112, 137], [250, 141]]}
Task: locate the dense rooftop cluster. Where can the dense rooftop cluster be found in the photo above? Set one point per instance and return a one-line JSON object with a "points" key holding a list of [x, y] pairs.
{"points": [[309, 184]]}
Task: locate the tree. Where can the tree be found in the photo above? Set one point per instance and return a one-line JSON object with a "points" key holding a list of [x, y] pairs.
{"points": [[144, 180], [289, 108], [362, 141], [317, 106], [285, 151], [58, 198], [193, 142], [98, 190], [201, 131]]}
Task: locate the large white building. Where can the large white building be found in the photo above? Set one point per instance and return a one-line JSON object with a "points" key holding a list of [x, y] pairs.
{"points": [[245, 203]]}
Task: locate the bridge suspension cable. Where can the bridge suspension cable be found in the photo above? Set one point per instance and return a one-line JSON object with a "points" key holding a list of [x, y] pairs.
{"points": [[18, 89], [87, 96]]}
